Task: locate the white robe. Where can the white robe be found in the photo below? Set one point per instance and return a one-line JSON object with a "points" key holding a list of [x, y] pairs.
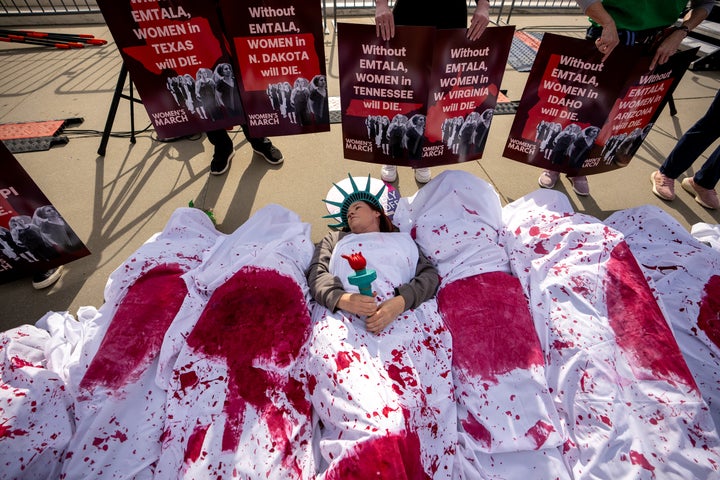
{"points": [[383, 402]]}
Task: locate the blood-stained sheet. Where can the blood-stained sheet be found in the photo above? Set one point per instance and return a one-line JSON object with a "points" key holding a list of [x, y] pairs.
{"points": [[685, 274], [629, 403], [384, 402], [507, 423], [558, 347]]}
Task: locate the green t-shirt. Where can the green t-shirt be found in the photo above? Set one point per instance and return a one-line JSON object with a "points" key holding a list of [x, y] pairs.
{"points": [[644, 14]]}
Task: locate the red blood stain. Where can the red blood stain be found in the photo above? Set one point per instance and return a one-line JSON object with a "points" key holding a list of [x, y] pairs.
{"points": [[296, 393], [583, 380], [441, 229], [188, 380], [392, 457], [402, 376], [17, 362], [344, 359], [311, 383], [562, 344], [387, 410], [491, 326], [136, 332], [540, 433], [637, 458], [256, 323], [195, 443], [640, 329], [477, 431], [540, 248], [7, 432], [709, 314], [579, 287]]}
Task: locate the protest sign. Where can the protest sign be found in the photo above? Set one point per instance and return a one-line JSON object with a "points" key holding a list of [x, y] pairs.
{"points": [[34, 237], [179, 61], [404, 107], [279, 47], [582, 116], [464, 89]]}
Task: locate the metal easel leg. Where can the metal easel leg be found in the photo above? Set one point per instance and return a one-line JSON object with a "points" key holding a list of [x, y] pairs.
{"points": [[122, 78]]}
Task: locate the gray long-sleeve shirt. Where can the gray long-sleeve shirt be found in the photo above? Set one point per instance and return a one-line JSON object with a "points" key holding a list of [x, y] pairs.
{"points": [[327, 289]]}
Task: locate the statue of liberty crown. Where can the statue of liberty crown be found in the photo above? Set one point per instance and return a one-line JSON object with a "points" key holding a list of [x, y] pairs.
{"points": [[352, 197]]}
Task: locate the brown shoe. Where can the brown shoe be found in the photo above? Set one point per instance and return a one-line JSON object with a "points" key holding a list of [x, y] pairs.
{"points": [[706, 197], [663, 187]]}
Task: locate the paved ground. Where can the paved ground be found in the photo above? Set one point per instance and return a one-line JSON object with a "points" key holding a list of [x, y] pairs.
{"points": [[117, 201]]}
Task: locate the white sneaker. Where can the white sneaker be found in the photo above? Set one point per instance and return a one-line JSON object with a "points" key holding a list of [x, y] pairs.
{"points": [[423, 175], [388, 173]]}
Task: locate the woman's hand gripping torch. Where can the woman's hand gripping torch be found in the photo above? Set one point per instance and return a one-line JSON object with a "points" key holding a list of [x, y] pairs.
{"points": [[362, 278]]}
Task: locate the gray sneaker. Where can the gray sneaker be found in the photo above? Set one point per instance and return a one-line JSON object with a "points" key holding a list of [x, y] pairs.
{"points": [[663, 187], [706, 197]]}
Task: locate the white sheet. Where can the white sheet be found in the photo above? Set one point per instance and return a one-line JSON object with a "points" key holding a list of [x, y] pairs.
{"points": [[685, 274], [508, 423], [384, 402], [237, 403], [119, 409], [630, 406], [36, 415], [550, 352]]}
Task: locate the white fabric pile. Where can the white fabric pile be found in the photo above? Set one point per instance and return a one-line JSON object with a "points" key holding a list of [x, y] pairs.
{"points": [[558, 347]]}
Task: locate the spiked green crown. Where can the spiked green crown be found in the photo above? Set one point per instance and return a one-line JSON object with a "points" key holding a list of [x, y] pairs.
{"points": [[352, 197]]}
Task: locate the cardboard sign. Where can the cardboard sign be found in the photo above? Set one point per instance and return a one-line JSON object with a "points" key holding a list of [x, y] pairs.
{"points": [[178, 58], [34, 237], [582, 116], [279, 47], [201, 66], [404, 107]]}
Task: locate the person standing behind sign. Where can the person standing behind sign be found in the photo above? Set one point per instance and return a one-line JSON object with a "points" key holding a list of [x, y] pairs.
{"points": [[427, 13], [228, 98], [634, 22], [693, 143]]}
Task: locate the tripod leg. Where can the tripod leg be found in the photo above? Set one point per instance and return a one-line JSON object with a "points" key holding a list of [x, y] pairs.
{"points": [[113, 110], [671, 105], [132, 114]]}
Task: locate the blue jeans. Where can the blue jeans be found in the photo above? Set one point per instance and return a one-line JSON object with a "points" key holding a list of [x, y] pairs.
{"points": [[693, 143]]}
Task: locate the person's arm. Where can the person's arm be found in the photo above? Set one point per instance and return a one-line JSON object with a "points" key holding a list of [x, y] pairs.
{"points": [[479, 20], [327, 289], [608, 39], [384, 20], [671, 42]]}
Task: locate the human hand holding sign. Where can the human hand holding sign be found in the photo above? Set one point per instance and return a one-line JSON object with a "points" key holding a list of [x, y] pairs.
{"points": [[479, 20], [384, 20]]}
